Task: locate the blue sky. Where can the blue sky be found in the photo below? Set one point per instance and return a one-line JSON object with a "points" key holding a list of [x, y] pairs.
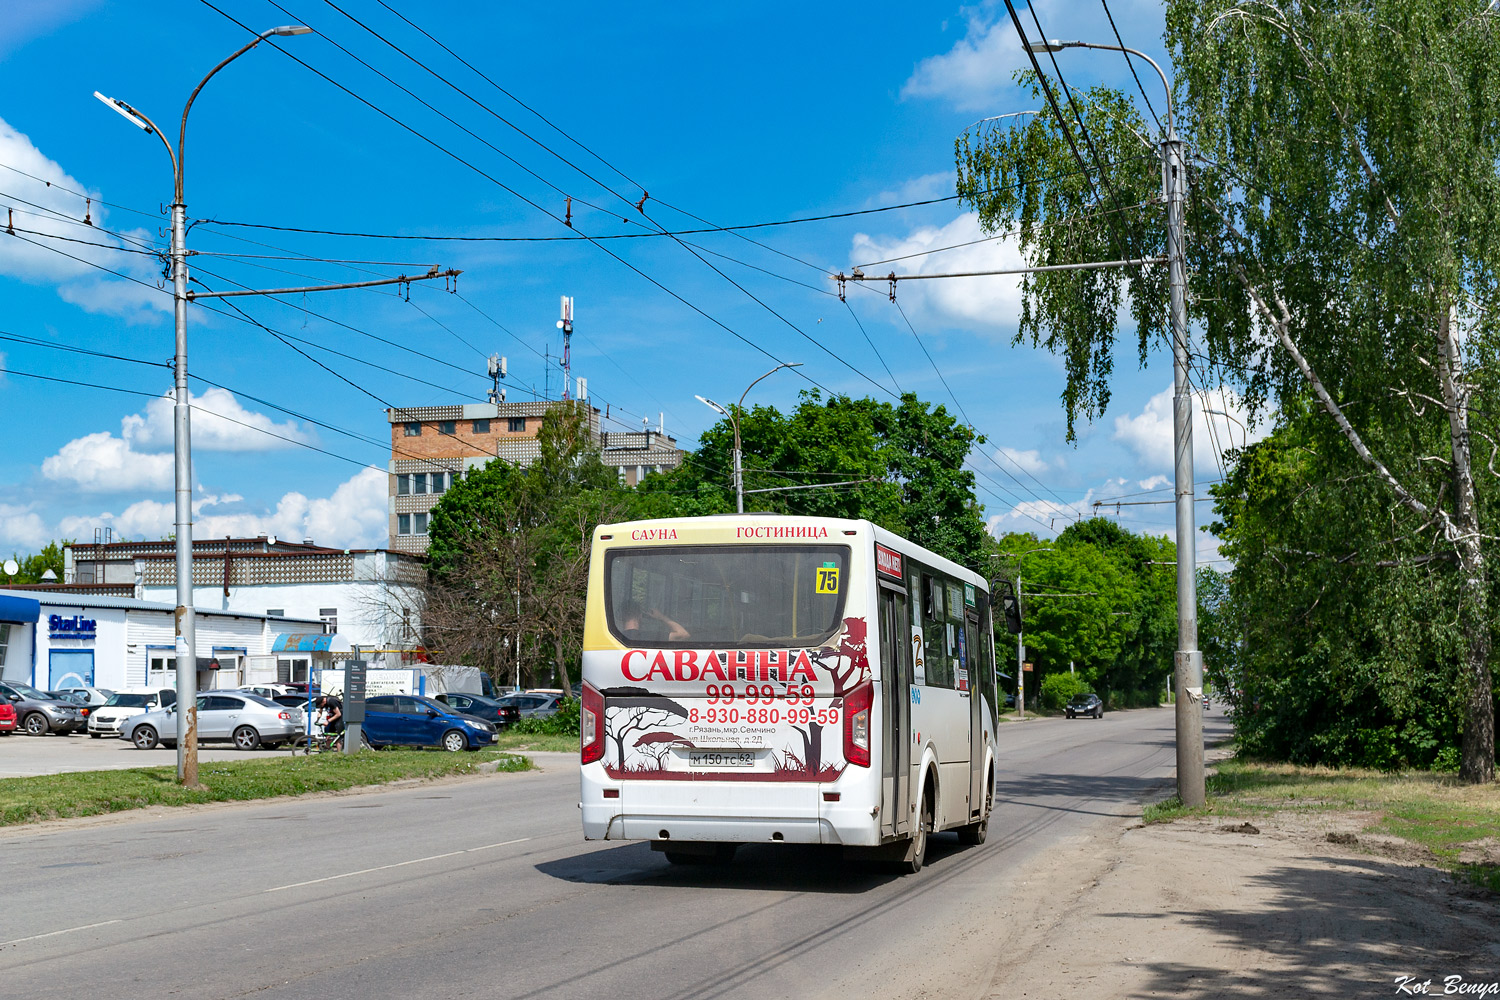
{"points": [[731, 114]]}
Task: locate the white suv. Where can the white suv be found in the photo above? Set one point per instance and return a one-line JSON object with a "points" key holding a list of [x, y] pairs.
{"points": [[107, 719]]}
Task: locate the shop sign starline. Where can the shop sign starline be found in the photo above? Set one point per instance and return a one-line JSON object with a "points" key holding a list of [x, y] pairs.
{"points": [[888, 562]]}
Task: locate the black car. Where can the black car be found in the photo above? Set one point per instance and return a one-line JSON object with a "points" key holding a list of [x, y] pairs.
{"points": [[1085, 704], [481, 707]]}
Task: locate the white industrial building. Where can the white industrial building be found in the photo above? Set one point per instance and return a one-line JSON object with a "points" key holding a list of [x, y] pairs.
{"points": [[51, 639], [370, 597]]}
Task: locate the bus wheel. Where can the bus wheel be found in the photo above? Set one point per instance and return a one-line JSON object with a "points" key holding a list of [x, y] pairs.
{"points": [[916, 851], [974, 834]]}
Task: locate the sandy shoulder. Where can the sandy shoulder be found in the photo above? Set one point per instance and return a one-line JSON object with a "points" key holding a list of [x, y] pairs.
{"points": [[1190, 909]]}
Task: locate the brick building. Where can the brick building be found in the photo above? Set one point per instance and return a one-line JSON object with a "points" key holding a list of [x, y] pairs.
{"points": [[430, 445]]}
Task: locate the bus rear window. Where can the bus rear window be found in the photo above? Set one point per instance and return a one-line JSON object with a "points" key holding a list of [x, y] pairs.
{"points": [[727, 596]]}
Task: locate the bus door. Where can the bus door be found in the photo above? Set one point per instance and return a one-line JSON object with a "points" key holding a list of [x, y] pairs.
{"points": [[896, 678], [979, 680]]}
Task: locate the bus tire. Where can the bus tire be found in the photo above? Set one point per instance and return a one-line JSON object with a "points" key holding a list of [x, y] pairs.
{"points": [[916, 850], [973, 835]]}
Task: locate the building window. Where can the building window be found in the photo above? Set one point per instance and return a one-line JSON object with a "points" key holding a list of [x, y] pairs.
{"points": [[276, 612], [516, 425], [447, 427], [161, 663], [403, 524], [330, 617], [414, 429], [437, 482], [419, 483], [403, 485], [419, 524], [481, 427]]}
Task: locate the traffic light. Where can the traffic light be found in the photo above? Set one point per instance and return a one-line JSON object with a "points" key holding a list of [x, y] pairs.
{"points": [[1009, 605]]}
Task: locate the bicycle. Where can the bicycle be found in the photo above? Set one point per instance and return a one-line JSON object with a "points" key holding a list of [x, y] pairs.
{"points": [[324, 742]]}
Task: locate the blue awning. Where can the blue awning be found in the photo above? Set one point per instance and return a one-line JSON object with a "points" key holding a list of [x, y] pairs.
{"points": [[303, 642], [19, 610]]}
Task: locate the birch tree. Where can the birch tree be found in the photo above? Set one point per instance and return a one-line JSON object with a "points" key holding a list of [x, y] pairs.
{"points": [[1343, 246]]}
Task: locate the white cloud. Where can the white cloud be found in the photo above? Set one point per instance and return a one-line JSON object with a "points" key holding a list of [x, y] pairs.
{"points": [[32, 256], [992, 302], [219, 423], [1030, 460], [1149, 433], [977, 74], [103, 463], [21, 528], [354, 516], [1155, 482]]}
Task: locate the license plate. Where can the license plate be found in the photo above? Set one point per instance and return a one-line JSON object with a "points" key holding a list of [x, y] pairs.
{"points": [[721, 758]]}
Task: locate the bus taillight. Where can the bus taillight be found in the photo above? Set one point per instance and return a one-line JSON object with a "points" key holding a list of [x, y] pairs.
{"points": [[591, 724], [857, 724]]}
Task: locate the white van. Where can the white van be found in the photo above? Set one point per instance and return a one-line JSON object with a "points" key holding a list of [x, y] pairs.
{"points": [[107, 719]]}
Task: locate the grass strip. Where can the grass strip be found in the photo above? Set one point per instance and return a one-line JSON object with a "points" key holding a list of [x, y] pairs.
{"points": [[537, 741], [90, 793], [1458, 823]]}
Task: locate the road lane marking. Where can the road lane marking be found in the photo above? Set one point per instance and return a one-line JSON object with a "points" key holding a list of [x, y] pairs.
{"points": [[366, 871], [65, 930]]}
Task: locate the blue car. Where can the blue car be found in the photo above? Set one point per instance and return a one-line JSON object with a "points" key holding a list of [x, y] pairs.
{"points": [[410, 721]]}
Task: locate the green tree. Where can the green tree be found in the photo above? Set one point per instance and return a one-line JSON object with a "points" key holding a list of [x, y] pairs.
{"points": [[911, 454], [1342, 249], [34, 564], [508, 553]]}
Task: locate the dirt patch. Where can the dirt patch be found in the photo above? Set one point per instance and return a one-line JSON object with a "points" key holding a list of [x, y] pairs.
{"points": [[1198, 909]]}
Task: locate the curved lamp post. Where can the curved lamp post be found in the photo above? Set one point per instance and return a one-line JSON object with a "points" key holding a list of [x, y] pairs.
{"points": [[187, 649], [734, 420]]}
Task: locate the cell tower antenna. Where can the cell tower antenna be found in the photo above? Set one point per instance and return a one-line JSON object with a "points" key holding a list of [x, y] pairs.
{"points": [[565, 324], [497, 372]]}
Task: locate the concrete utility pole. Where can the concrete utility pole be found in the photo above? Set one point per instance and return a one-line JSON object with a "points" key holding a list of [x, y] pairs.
{"points": [[1188, 666], [187, 646]]}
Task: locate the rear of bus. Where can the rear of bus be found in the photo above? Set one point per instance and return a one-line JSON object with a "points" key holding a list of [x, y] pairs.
{"points": [[727, 682]]}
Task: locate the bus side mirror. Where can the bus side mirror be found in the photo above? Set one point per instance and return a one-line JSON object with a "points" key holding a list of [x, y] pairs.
{"points": [[1006, 592]]}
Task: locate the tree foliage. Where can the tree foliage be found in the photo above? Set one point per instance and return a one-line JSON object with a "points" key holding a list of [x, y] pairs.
{"points": [[910, 454], [1100, 600], [1342, 252]]}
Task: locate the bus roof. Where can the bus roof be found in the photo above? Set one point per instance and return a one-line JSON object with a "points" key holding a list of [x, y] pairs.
{"points": [[621, 534]]}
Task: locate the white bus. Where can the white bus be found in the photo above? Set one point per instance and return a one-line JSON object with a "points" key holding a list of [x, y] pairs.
{"points": [[758, 678]]}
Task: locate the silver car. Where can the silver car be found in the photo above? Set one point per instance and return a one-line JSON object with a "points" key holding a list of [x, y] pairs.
{"points": [[247, 720]]}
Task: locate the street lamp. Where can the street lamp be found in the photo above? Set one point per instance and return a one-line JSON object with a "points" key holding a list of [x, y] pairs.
{"points": [[1188, 668], [734, 420], [1229, 416], [187, 648], [1021, 635]]}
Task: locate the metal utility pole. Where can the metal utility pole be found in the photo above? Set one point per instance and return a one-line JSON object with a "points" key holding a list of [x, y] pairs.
{"points": [[186, 660], [1188, 665], [734, 420], [1020, 652]]}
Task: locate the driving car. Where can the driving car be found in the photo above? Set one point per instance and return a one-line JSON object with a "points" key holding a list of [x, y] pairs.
{"points": [[1085, 704], [7, 718], [247, 720], [39, 713], [107, 719], [481, 707], [408, 720]]}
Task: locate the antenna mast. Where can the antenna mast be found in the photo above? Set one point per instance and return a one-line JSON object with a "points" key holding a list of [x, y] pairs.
{"points": [[565, 324]]}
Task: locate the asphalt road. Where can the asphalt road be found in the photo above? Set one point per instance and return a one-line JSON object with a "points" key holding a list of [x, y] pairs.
{"points": [[23, 756], [483, 887]]}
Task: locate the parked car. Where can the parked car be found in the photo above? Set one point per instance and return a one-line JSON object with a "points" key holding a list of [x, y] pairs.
{"points": [[7, 718], [247, 720], [488, 709], [532, 703], [89, 697], [266, 690], [407, 720], [39, 713], [1085, 704], [109, 718]]}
